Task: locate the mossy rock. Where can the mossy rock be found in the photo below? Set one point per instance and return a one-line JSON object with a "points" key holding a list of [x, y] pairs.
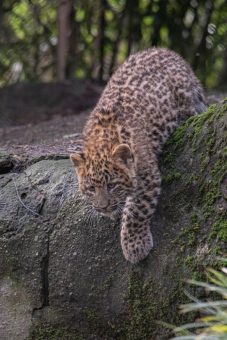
{"points": [[77, 283]]}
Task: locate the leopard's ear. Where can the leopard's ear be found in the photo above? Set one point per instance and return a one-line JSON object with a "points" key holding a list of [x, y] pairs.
{"points": [[77, 159], [122, 154]]}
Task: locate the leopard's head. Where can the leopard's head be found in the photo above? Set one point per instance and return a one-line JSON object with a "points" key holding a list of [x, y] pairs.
{"points": [[106, 179]]}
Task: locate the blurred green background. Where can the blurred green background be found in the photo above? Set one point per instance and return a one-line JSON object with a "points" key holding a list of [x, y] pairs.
{"points": [[49, 40]]}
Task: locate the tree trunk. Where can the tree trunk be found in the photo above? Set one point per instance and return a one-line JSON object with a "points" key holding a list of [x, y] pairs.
{"points": [[201, 50], [222, 78], [1, 14], [65, 9], [101, 37], [73, 51], [134, 26], [118, 38], [159, 21]]}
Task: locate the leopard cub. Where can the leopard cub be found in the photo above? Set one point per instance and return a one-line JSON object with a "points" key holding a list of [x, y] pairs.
{"points": [[148, 96]]}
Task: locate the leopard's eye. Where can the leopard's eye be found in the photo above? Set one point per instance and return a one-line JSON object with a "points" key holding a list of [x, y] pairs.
{"points": [[91, 188], [110, 186]]}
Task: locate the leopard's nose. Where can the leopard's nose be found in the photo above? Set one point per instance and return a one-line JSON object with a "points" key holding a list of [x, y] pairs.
{"points": [[100, 201]]}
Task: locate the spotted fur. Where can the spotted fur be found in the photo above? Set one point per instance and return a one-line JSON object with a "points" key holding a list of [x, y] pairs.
{"points": [[143, 103]]}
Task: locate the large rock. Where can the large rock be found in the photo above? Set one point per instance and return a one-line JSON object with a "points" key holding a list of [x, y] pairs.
{"points": [[62, 272]]}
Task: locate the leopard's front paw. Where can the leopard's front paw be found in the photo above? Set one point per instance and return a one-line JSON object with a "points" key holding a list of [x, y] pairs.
{"points": [[137, 246]]}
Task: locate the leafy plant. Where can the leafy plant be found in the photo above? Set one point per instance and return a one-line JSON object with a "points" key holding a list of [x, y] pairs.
{"points": [[212, 323], [105, 32]]}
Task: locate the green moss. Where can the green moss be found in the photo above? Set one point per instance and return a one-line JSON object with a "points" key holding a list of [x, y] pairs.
{"points": [[191, 129], [225, 152], [145, 316], [211, 173], [200, 193], [92, 318], [213, 112], [218, 169], [211, 190], [51, 333], [207, 116], [178, 137], [169, 178], [176, 142], [217, 250], [141, 310], [188, 235], [204, 162], [99, 327], [168, 157], [192, 179], [201, 183], [219, 230], [189, 260], [197, 276]]}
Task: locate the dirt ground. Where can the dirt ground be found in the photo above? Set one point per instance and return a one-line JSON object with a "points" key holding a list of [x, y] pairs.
{"points": [[45, 132], [45, 114]]}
